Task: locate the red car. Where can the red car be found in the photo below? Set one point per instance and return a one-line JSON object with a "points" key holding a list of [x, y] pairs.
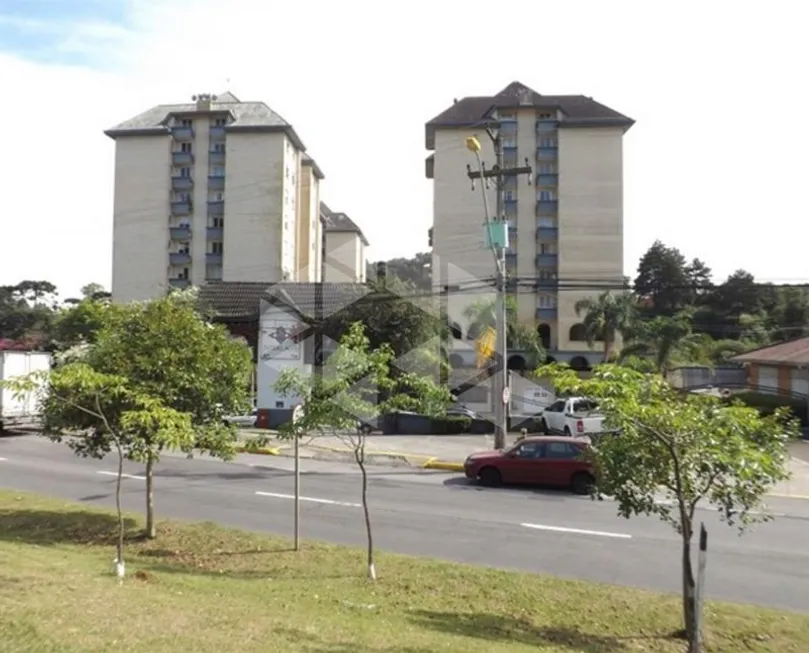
{"points": [[542, 460]]}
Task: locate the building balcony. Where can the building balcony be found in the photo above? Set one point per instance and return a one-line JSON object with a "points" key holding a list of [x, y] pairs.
{"points": [[214, 233], [216, 157], [216, 208], [545, 207], [546, 313], [182, 158], [216, 182], [511, 253], [508, 143], [181, 208], [546, 260], [545, 126], [180, 233], [179, 282], [548, 284], [182, 133], [547, 153], [547, 179], [547, 233], [179, 258], [217, 133], [182, 183], [507, 118], [213, 259]]}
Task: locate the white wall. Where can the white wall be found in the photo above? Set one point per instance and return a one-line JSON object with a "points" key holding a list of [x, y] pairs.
{"points": [[254, 206], [344, 262], [590, 218], [141, 217]]}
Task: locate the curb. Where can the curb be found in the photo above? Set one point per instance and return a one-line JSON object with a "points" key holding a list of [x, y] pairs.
{"points": [[444, 466], [415, 460]]}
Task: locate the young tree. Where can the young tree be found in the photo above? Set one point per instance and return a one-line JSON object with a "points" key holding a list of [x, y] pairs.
{"points": [[481, 315], [166, 351], [103, 413], [357, 382], [688, 447]]}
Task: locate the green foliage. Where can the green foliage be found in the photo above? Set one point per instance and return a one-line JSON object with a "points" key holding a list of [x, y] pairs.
{"points": [[80, 324], [481, 315], [688, 447], [606, 316], [357, 383]]}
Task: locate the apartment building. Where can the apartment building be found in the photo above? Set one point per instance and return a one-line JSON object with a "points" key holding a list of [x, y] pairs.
{"points": [[216, 189], [565, 227], [344, 248]]}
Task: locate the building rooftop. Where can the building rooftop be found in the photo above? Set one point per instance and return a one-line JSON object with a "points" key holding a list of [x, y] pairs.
{"points": [[576, 110], [339, 222], [792, 353], [309, 161], [245, 116]]}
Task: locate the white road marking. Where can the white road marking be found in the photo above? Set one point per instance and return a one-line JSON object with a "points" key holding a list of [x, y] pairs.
{"points": [[3, 459], [577, 531], [137, 478], [327, 502]]}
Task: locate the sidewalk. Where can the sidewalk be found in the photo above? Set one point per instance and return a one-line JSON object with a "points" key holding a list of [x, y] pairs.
{"points": [[448, 452]]}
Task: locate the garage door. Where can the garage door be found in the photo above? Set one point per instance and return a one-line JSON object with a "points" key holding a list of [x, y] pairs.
{"points": [[800, 382], [768, 378]]}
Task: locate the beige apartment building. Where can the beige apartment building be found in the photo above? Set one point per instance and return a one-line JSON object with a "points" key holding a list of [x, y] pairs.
{"points": [[565, 227], [344, 248], [213, 190]]}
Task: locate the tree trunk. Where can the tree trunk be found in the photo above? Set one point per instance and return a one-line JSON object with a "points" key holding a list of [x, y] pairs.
{"points": [[607, 349], [119, 547], [151, 532], [359, 453], [689, 596]]}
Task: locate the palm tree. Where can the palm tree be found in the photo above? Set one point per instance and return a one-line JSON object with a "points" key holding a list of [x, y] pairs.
{"points": [[667, 341], [481, 314], [607, 316]]}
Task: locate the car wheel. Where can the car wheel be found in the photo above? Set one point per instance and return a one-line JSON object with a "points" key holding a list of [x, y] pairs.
{"points": [[568, 433], [582, 483], [490, 477]]}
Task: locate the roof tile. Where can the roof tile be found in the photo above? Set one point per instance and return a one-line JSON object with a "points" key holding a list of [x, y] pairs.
{"points": [[792, 352]]}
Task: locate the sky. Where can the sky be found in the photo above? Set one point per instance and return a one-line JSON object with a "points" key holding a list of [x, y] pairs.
{"points": [[715, 165]]}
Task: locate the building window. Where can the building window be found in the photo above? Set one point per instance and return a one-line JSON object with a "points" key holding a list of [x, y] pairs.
{"points": [[184, 273], [218, 223], [219, 147], [546, 196], [182, 197], [220, 122], [547, 169], [216, 197], [547, 275], [185, 172], [547, 142], [217, 171], [185, 147], [216, 248], [547, 248], [545, 116], [546, 301], [187, 122]]}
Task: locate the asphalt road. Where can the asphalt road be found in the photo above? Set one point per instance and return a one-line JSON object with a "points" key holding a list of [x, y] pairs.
{"points": [[442, 516]]}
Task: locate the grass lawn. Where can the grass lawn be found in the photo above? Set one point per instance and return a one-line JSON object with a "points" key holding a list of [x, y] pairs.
{"points": [[200, 588]]}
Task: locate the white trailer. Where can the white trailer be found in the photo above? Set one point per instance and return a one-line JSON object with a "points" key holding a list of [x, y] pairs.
{"points": [[20, 410]]}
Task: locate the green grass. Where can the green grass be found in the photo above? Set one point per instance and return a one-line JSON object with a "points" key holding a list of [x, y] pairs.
{"points": [[200, 588]]}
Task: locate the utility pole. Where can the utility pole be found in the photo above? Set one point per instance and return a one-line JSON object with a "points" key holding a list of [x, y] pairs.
{"points": [[496, 238]]}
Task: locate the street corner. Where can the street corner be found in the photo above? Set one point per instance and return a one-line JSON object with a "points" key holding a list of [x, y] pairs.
{"points": [[442, 465]]}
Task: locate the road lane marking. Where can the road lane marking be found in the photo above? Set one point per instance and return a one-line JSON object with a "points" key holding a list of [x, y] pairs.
{"points": [[3, 459], [577, 531], [137, 478], [328, 502]]}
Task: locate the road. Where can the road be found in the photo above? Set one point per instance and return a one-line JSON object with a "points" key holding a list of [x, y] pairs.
{"points": [[441, 516]]}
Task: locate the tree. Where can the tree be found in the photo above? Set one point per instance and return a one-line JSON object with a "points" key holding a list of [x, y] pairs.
{"points": [[664, 279], [666, 340], [167, 352], [481, 315], [94, 291], [415, 271], [80, 323], [357, 383], [607, 316], [102, 412], [689, 447]]}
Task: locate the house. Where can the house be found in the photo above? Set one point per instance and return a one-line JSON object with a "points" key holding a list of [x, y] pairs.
{"points": [[344, 248], [781, 369]]}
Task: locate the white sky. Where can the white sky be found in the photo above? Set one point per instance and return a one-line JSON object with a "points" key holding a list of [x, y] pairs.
{"points": [[714, 165]]}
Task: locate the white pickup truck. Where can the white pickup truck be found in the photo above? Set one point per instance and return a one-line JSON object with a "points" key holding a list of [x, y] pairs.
{"points": [[572, 416]]}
